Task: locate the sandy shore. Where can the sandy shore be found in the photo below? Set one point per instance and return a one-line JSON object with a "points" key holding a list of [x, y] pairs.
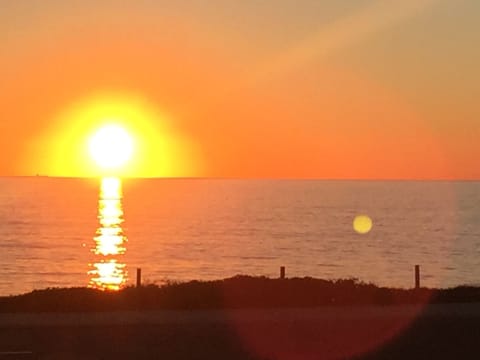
{"points": [[367, 332]]}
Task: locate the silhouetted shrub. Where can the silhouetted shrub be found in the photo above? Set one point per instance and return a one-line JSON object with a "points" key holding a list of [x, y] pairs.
{"points": [[237, 292]]}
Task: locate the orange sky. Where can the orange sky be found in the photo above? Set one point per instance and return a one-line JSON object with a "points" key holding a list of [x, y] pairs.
{"points": [[302, 89]]}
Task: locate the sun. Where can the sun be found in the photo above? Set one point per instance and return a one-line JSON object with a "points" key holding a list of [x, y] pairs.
{"points": [[111, 147], [114, 134]]}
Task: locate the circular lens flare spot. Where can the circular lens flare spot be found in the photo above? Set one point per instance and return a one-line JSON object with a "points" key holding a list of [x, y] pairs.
{"points": [[111, 147], [362, 224]]}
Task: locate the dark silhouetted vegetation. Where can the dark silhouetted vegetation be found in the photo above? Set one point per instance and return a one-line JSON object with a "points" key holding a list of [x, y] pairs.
{"points": [[236, 292]]}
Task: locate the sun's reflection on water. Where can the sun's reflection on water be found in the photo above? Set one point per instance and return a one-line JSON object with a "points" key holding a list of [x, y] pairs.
{"points": [[108, 272]]}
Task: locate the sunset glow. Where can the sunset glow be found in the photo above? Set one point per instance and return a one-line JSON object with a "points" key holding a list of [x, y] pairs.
{"points": [[335, 84], [112, 133]]}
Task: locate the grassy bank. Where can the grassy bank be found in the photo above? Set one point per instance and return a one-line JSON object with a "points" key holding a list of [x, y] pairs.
{"points": [[236, 292]]}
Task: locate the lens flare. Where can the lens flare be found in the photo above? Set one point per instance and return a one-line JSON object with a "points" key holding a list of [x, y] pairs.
{"points": [[362, 224]]}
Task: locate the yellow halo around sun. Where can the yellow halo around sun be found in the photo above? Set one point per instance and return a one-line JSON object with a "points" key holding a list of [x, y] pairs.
{"points": [[111, 147], [111, 133]]}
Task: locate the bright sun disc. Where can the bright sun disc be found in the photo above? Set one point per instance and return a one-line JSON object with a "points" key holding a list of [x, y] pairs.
{"points": [[111, 147]]}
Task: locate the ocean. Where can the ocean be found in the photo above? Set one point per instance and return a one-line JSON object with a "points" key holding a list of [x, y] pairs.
{"points": [[184, 229]]}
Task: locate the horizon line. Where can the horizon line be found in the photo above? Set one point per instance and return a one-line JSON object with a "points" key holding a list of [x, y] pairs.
{"points": [[266, 178]]}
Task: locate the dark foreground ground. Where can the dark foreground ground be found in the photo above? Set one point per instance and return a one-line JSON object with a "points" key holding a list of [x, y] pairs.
{"points": [[243, 318], [389, 332]]}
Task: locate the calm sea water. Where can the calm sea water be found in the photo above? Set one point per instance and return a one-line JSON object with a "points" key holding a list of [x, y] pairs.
{"points": [[210, 229]]}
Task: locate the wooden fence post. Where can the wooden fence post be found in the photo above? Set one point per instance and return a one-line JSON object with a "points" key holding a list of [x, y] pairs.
{"points": [[139, 277], [417, 276]]}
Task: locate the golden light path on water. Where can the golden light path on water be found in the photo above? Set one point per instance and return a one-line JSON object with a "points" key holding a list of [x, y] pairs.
{"points": [[108, 271]]}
